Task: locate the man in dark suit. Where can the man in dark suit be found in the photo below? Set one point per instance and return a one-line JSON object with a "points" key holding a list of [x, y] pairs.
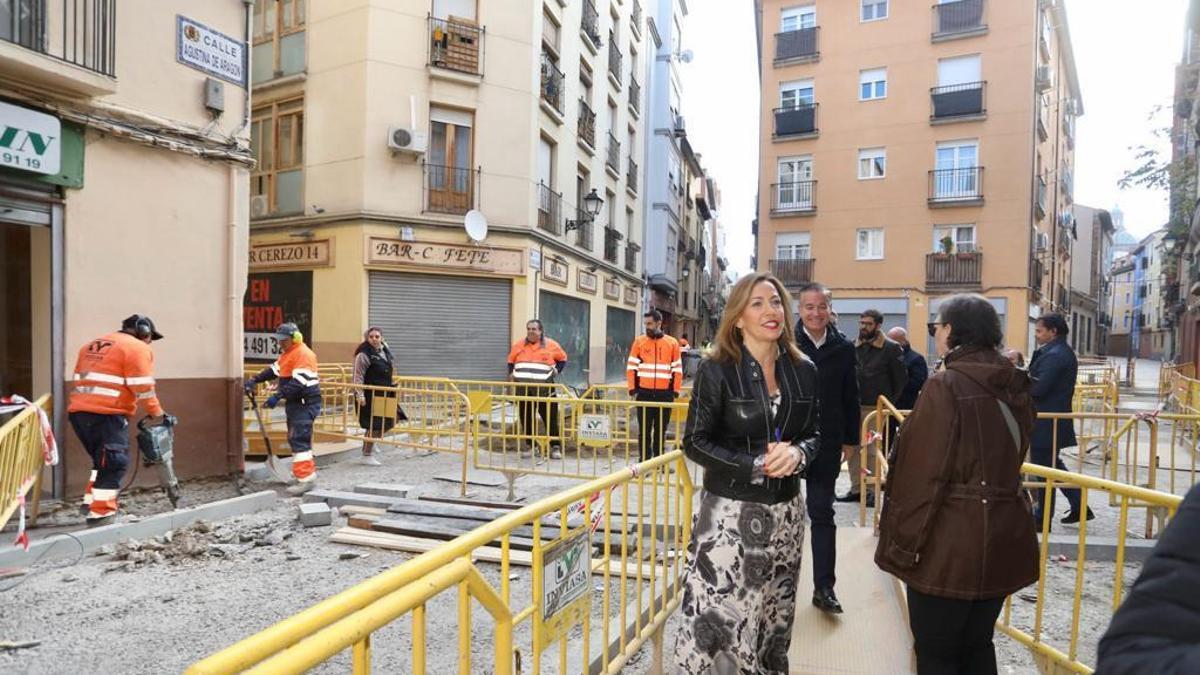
{"points": [[1053, 369], [820, 340], [914, 364]]}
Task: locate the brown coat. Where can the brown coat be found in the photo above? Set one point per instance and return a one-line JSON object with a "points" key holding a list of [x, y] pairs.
{"points": [[956, 522]]}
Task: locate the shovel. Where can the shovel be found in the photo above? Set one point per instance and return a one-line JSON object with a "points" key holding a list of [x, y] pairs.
{"points": [[262, 427]]}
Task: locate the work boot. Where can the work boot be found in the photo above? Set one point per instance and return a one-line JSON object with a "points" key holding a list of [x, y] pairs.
{"points": [[526, 451], [84, 509], [102, 521], [1073, 517], [825, 600], [848, 497], [297, 489], [555, 452], [370, 460]]}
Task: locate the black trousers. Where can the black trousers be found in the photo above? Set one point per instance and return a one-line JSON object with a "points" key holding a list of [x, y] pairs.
{"points": [[1043, 457], [953, 637], [818, 497], [547, 410], [653, 421], [106, 439]]}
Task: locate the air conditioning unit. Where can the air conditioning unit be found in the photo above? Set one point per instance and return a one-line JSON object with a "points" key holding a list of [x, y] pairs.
{"points": [[259, 207], [1042, 242], [680, 127], [411, 141], [1043, 78]]}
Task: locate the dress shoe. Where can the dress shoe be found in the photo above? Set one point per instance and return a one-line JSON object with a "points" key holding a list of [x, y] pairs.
{"points": [[824, 600], [1073, 517], [848, 497]]}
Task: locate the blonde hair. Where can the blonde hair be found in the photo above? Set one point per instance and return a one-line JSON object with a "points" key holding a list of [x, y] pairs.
{"points": [[727, 346]]}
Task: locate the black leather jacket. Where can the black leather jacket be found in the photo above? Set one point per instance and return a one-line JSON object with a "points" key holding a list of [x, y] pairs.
{"points": [[729, 423]]}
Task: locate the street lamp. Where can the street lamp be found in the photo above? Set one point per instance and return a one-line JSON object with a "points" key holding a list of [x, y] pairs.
{"points": [[591, 208]]}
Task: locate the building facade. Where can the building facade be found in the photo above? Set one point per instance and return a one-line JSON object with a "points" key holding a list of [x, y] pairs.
{"points": [[935, 156], [1121, 299], [123, 190], [1184, 297], [1089, 279], [434, 119]]}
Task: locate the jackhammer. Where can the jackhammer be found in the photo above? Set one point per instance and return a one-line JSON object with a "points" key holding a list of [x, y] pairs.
{"points": [[157, 445]]}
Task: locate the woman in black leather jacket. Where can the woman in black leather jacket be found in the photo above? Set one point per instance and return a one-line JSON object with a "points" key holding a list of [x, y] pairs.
{"points": [[752, 425]]}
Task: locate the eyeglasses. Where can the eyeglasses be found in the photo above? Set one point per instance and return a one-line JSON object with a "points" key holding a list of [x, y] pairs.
{"points": [[932, 326]]}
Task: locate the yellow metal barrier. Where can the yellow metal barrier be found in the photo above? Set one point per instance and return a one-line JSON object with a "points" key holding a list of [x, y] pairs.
{"points": [[641, 555], [429, 419], [21, 460], [1026, 625]]}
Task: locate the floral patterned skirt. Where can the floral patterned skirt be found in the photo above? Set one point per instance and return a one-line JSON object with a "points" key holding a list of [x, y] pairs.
{"points": [[739, 587]]}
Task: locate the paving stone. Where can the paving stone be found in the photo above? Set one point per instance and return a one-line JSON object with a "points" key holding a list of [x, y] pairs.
{"points": [[384, 489], [315, 514]]}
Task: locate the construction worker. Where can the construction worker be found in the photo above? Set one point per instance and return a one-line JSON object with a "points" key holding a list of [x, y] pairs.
{"points": [[537, 360], [654, 375], [685, 354], [299, 385], [113, 374]]}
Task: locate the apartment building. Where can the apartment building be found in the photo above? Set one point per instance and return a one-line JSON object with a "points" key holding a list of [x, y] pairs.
{"points": [[123, 177], [1184, 296], [388, 132], [1124, 316], [1090, 279], [911, 152], [1138, 302]]}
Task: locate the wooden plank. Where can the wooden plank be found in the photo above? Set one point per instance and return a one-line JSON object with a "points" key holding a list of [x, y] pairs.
{"points": [[357, 510], [446, 529], [363, 522]]}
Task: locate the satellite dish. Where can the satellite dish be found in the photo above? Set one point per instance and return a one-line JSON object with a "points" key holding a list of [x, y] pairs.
{"points": [[475, 223], [686, 56]]}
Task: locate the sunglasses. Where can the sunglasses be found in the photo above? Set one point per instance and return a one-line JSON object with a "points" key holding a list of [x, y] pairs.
{"points": [[932, 326]]}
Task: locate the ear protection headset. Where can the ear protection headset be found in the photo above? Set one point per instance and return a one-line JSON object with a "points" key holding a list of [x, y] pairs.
{"points": [[141, 327]]}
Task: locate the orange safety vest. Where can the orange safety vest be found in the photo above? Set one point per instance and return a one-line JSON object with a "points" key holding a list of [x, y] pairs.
{"points": [[112, 375], [655, 364], [299, 363], [536, 362]]}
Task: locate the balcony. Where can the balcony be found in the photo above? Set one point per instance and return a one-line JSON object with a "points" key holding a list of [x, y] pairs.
{"points": [[631, 251], [960, 271], [797, 46], [635, 95], [612, 240], [68, 45], [796, 122], [1043, 134], [591, 23], [952, 20], [552, 84], [1068, 183], [450, 189], [455, 45], [631, 176], [635, 18], [614, 61], [958, 102], [613, 160], [798, 198], [587, 124], [1037, 270], [1069, 129], [794, 272], [1040, 202], [549, 217], [956, 187]]}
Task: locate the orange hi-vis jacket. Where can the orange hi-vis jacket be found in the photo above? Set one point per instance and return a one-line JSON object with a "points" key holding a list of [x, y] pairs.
{"points": [[113, 374], [536, 362], [655, 364], [296, 369]]}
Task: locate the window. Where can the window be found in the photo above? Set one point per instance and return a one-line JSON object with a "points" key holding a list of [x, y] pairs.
{"points": [[277, 144], [1046, 30], [873, 10], [795, 184], [451, 182], [957, 174], [872, 163], [962, 238], [550, 34], [870, 244], [672, 247], [872, 84], [793, 246], [278, 39], [796, 94], [798, 18], [959, 70]]}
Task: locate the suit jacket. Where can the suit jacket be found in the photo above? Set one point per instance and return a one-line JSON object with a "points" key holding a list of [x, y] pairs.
{"points": [[1053, 369], [918, 372], [837, 391]]}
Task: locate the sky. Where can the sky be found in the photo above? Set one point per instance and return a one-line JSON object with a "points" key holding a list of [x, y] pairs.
{"points": [[1125, 61]]}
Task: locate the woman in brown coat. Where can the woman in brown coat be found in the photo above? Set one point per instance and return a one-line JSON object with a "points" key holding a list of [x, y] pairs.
{"points": [[956, 524]]}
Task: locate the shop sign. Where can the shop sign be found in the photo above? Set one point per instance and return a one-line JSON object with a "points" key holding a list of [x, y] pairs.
{"points": [[298, 254], [566, 568], [587, 282], [612, 289], [594, 429], [631, 296], [490, 259], [271, 299], [555, 271], [535, 260], [29, 140], [210, 51]]}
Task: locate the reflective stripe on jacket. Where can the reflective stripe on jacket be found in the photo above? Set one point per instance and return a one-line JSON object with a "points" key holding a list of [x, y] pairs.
{"points": [[536, 362], [296, 369], [654, 364], [112, 375]]}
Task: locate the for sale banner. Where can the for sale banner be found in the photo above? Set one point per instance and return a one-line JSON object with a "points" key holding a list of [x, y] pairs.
{"points": [[273, 298]]}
